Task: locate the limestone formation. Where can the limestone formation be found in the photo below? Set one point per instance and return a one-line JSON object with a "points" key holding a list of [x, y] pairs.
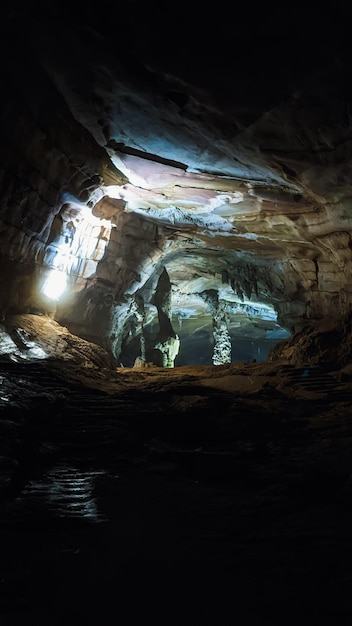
{"points": [[227, 164]]}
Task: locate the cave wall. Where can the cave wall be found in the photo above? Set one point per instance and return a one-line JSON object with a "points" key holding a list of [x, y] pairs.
{"points": [[47, 160], [289, 246]]}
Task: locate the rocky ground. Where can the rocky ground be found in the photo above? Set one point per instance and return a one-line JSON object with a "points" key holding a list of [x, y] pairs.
{"points": [[212, 495]]}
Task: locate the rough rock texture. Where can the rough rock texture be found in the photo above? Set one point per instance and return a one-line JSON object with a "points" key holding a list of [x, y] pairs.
{"points": [[36, 337], [187, 495], [325, 345], [221, 155]]}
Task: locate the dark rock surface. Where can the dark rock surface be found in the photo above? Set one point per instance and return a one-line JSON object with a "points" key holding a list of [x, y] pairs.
{"points": [[193, 495]]}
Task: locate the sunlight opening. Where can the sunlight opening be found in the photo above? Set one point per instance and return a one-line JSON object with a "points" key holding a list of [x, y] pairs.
{"points": [[55, 284], [77, 241]]}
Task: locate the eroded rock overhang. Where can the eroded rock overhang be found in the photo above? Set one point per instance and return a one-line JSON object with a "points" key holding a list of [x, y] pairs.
{"points": [[245, 195]]}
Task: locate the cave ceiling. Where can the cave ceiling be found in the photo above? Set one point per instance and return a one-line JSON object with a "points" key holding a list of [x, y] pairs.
{"points": [[224, 142]]}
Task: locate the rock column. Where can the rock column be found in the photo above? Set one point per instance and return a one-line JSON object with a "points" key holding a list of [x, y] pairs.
{"points": [[167, 343], [221, 335]]}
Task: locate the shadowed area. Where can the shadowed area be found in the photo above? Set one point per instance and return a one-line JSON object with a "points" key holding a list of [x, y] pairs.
{"points": [[209, 493]]}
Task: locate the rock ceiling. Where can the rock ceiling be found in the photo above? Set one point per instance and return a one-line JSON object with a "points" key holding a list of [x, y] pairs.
{"points": [[218, 149]]}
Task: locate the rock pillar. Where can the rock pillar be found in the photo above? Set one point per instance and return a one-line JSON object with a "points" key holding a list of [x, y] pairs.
{"points": [[167, 343], [221, 335]]}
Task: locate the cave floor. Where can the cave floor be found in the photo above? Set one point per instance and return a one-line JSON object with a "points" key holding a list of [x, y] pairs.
{"points": [[210, 496]]}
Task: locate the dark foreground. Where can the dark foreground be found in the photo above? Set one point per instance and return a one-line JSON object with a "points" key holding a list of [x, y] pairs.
{"points": [[172, 500]]}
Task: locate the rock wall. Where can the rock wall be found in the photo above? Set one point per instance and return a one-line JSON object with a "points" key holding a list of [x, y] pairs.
{"points": [[254, 204]]}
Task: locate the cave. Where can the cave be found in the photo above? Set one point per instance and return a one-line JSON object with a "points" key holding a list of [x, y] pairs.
{"points": [[175, 315]]}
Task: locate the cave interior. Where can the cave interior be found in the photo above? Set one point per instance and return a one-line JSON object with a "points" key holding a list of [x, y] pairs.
{"points": [[175, 315]]}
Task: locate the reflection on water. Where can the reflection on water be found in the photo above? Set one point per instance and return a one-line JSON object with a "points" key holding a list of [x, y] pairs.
{"points": [[71, 492], [64, 492]]}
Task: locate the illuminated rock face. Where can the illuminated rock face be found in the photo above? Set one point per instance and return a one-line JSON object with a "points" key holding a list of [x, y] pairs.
{"points": [[118, 164]]}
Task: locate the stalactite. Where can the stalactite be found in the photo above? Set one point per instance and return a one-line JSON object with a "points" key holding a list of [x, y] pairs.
{"points": [[225, 277]]}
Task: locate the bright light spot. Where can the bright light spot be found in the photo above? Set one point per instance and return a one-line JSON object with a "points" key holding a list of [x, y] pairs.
{"points": [[55, 284], [81, 241]]}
